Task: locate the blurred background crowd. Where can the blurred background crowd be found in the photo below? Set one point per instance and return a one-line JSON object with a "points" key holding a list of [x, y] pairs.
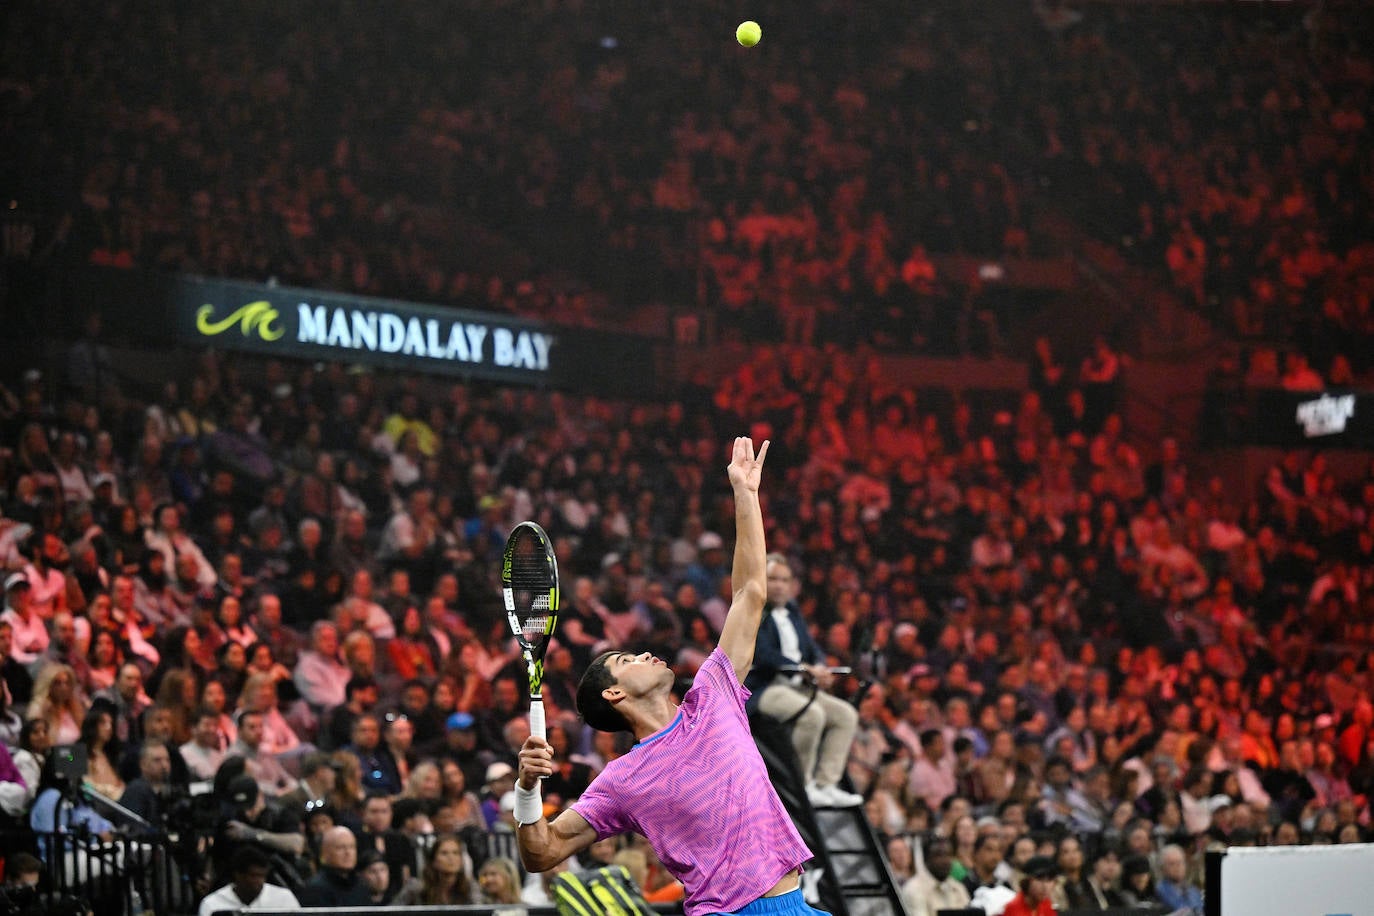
{"points": [[1066, 641]]}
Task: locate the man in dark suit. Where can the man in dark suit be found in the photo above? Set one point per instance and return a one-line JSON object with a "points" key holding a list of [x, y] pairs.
{"points": [[785, 656]]}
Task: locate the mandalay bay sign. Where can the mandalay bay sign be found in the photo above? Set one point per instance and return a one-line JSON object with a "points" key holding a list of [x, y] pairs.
{"points": [[311, 324]]}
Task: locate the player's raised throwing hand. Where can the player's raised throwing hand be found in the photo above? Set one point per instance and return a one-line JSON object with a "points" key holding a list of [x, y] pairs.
{"points": [[745, 469]]}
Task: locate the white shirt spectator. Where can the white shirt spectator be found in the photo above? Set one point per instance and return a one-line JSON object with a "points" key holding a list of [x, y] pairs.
{"points": [[30, 636], [178, 544], [46, 588], [201, 761], [272, 897], [321, 681], [932, 781]]}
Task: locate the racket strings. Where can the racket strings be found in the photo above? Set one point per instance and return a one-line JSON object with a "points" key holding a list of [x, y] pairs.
{"points": [[531, 577]]}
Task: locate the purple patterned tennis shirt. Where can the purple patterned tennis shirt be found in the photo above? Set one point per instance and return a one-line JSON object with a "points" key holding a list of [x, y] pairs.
{"points": [[699, 792]]}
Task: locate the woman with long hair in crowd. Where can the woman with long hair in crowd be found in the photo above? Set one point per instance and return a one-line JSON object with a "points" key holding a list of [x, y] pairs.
{"points": [[499, 882], [55, 699], [348, 795], [425, 782], [409, 651], [1137, 882], [178, 692], [97, 733], [443, 881], [231, 669], [230, 621], [467, 807], [962, 837], [179, 649], [105, 659], [262, 659], [35, 741]]}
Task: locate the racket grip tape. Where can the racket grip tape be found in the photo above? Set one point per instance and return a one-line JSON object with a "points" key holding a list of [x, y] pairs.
{"points": [[537, 726]]}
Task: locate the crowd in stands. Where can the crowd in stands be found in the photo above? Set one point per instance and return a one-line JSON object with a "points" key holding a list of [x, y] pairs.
{"points": [[277, 580], [1228, 149], [409, 152], [799, 188]]}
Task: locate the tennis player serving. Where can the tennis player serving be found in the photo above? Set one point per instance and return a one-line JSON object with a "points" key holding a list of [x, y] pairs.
{"points": [[694, 784]]}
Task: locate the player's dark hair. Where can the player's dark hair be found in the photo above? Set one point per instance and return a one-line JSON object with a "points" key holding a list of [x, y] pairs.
{"points": [[595, 709]]}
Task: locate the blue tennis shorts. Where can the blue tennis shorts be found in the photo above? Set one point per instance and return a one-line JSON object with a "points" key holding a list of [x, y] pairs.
{"points": [[792, 903]]}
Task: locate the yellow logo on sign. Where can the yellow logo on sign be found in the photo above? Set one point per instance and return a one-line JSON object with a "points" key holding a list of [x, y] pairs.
{"points": [[255, 316]]}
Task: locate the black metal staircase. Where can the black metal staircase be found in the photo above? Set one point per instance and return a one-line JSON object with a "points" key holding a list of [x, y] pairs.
{"points": [[859, 863], [850, 875]]}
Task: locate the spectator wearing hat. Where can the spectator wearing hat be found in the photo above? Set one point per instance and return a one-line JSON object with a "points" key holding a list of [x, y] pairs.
{"points": [[29, 632], [710, 567], [248, 888], [933, 889], [460, 746], [1036, 887], [499, 779], [251, 819]]}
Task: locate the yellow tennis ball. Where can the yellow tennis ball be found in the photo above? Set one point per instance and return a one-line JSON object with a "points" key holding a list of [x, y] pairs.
{"points": [[748, 33]]}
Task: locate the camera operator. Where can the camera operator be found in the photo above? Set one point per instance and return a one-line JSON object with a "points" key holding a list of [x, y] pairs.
{"points": [[74, 840], [250, 819], [149, 796]]}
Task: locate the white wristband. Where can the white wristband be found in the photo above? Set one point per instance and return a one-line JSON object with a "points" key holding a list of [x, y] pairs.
{"points": [[529, 805]]}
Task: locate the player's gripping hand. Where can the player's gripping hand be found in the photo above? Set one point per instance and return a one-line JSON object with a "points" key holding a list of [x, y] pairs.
{"points": [[536, 761]]}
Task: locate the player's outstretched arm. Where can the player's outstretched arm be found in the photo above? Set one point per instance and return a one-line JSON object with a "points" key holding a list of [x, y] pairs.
{"points": [[544, 843], [748, 574]]}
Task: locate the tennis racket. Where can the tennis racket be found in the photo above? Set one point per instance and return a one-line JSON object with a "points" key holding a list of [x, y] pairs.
{"points": [[529, 583]]}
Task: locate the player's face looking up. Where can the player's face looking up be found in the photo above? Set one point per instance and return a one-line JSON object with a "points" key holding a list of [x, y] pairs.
{"points": [[639, 675]]}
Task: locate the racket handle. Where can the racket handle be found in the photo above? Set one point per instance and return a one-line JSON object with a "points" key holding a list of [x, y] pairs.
{"points": [[537, 718]]}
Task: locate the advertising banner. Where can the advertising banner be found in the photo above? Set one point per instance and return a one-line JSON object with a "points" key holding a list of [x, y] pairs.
{"points": [[311, 324], [1336, 418]]}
